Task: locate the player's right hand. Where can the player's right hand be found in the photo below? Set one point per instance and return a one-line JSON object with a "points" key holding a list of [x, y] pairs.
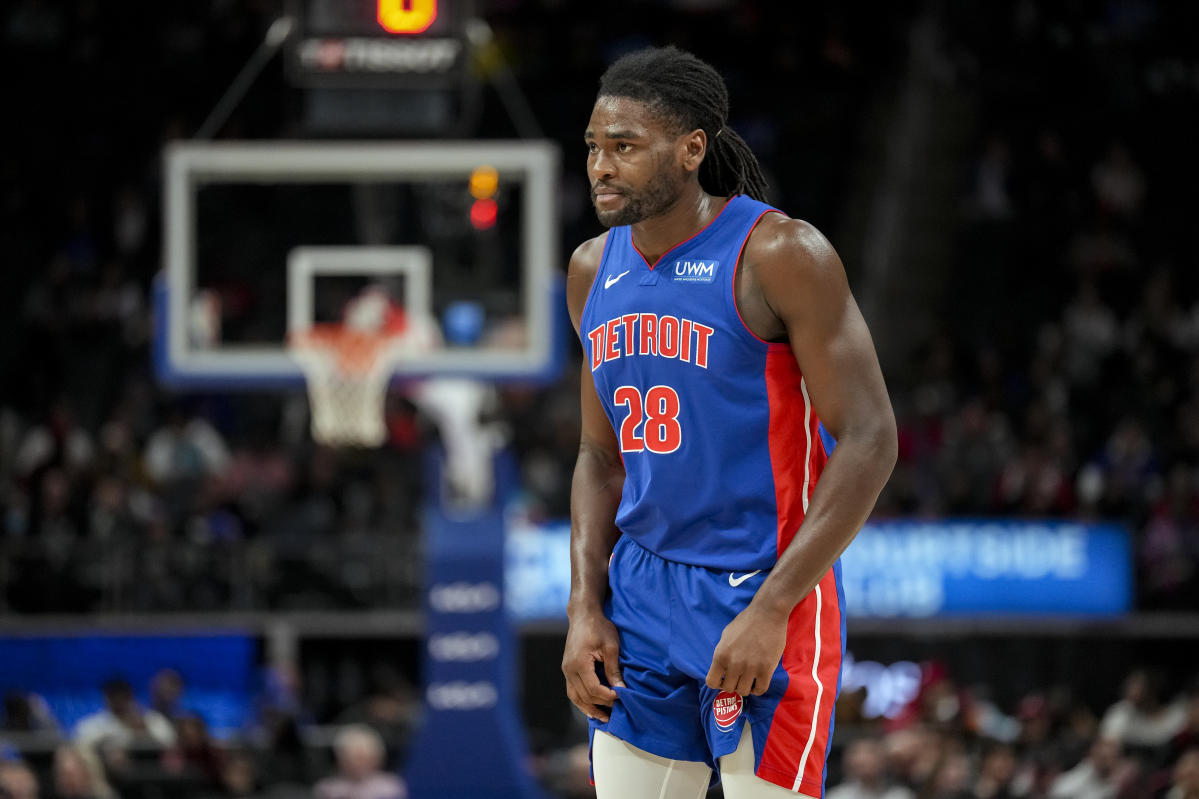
{"points": [[592, 639]]}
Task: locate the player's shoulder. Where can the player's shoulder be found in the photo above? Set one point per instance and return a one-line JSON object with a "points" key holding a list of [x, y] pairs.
{"points": [[581, 272], [585, 260], [780, 236], [788, 258]]}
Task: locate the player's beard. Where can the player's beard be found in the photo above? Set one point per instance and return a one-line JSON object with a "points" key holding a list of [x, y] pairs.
{"points": [[654, 198]]}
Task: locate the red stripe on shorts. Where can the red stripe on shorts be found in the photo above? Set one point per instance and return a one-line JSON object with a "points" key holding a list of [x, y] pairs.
{"points": [[797, 744]]}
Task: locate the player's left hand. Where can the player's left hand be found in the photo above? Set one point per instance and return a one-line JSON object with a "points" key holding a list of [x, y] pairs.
{"points": [[750, 649]]}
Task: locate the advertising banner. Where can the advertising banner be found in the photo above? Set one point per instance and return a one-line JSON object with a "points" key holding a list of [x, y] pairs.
{"points": [[914, 569]]}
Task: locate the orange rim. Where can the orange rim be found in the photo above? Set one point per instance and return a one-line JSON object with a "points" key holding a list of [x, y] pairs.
{"points": [[356, 352]]}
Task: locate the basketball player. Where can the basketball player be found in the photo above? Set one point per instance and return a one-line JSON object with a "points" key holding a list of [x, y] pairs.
{"points": [[706, 629]]}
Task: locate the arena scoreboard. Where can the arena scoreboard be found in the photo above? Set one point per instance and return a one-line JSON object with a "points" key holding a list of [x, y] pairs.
{"points": [[379, 43]]}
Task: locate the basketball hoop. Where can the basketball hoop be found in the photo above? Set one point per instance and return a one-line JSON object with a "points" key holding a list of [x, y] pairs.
{"points": [[347, 371]]}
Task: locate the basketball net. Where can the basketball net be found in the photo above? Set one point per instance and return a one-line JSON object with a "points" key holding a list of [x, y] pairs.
{"points": [[347, 367]]}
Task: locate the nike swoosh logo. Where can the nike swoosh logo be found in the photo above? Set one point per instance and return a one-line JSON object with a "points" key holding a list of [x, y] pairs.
{"points": [[612, 280], [736, 581]]}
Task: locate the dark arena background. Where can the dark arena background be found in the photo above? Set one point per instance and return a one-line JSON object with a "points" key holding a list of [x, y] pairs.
{"points": [[198, 599]]}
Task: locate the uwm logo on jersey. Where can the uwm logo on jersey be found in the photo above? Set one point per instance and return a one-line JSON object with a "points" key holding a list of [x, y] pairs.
{"points": [[697, 271]]}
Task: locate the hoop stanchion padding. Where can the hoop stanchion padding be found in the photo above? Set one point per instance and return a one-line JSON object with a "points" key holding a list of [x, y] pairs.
{"points": [[347, 372]]}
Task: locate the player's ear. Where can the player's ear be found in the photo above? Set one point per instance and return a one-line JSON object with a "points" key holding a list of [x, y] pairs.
{"points": [[693, 146]]}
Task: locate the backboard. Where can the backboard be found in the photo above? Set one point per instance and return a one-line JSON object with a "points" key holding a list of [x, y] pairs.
{"points": [[263, 238]]}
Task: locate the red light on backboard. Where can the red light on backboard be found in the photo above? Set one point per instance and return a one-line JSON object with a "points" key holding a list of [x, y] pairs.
{"points": [[483, 213], [406, 16]]}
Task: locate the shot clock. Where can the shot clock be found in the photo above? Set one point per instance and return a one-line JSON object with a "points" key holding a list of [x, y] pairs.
{"points": [[379, 43], [406, 16], [390, 67]]}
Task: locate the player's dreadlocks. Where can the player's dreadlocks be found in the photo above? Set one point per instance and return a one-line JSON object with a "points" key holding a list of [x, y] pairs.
{"points": [[689, 93]]}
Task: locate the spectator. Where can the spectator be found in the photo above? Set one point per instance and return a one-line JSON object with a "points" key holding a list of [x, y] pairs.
{"points": [[53, 519], [996, 774], [1128, 462], [1186, 777], [1188, 736], [1118, 183], [939, 704], [992, 197], [123, 722], [390, 707], [1091, 331], [77, 774], [953, 776], [912, 755], [976, 444], [185, 451], [109, 518], [166, 694], [1140, 719], [1170, 539], [865, 773], [276, 729], [360, 755], [27, 712], [17, 781], [1099, 776], [239, 777], [59, 441], [194, 752]]}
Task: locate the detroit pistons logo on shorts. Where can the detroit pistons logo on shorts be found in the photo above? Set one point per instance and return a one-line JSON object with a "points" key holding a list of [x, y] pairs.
{"points": [[726, 707]]}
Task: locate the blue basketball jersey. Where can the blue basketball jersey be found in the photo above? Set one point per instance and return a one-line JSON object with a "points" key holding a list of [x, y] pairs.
{"points": [[719, 440]]}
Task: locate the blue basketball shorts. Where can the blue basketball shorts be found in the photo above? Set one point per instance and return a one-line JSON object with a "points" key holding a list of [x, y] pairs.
{"points": [[670, 617]]}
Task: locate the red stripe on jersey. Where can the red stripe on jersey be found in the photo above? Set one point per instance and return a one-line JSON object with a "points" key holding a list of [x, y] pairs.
{"points": [[791, 443], [797, 745], [818, 457]]}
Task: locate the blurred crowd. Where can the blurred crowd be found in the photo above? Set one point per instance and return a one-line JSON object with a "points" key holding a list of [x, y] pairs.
{"points": [[951, 741], [163, 749], [1064, 378]]}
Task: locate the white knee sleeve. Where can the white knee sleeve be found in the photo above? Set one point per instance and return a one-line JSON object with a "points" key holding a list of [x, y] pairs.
{"points": [[622, 771]]}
